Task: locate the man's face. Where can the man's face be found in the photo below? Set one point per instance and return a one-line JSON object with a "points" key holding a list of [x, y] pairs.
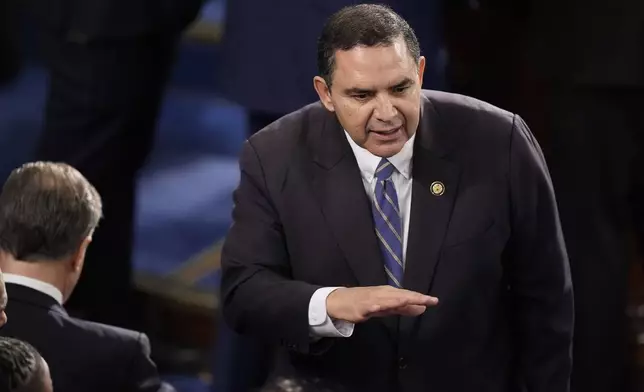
{"points": [[376, 95], [3, 301]]}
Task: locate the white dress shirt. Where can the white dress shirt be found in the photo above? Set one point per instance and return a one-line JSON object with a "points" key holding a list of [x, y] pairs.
{"points": [[319, 321], [35, 284]]}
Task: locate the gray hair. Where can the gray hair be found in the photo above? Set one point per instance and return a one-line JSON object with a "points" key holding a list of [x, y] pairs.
{"points": [[46, 210]]}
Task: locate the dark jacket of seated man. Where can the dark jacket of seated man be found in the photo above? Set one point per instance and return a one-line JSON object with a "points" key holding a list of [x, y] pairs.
{"points": [[48, 212]]}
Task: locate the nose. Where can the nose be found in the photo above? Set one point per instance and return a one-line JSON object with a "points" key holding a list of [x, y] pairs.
{"points": [[385, 110]]}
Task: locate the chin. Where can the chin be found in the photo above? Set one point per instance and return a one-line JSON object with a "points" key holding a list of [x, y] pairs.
{"points": [[387, 151]]}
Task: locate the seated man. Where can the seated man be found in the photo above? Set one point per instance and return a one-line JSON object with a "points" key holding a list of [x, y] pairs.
{"points": [[22, 369], [48, 212]]}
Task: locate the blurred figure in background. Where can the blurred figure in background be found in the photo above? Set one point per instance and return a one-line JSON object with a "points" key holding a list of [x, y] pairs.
{"points": [[48, 214], [268, 51], [577, 76], [9, 55], [22, 369], [108, 63]]}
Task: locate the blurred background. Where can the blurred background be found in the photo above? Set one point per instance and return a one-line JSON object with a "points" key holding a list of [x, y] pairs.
{"points": [[574, 70]]}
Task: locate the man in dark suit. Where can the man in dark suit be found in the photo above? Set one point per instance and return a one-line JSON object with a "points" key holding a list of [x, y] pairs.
{"points": [[280, 85], [48, 214], [108, 64], [22, 368], [355, 216]]}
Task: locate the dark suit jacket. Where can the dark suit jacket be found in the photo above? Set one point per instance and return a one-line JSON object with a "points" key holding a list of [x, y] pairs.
{"points": [[268, 52], [82, 356], [490, 248]]}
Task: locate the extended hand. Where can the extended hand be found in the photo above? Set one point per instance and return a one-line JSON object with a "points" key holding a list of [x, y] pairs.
{"points": [[358, 304]]}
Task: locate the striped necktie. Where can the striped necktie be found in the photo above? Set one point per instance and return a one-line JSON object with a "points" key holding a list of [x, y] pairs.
{"points": [[388, 224]]}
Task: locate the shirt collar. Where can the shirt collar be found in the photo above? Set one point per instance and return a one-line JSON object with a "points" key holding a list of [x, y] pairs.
{"points": [[35, 284], [368, 163]]}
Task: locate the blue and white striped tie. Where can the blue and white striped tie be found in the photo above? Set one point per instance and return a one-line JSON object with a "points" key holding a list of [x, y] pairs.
{"points": [[388, 224]]}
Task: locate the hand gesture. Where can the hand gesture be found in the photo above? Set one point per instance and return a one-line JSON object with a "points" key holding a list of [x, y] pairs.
{"points": [[358, 304]]}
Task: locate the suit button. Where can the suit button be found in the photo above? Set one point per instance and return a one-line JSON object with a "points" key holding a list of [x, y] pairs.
{"points": [[402, 363]]}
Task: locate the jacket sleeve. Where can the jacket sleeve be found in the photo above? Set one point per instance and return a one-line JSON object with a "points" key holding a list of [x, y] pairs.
{"points": [[539, 273], [258, 293], [142, 374]]}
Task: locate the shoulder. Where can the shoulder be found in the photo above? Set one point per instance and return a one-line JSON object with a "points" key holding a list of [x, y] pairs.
{"points": [[475, 133], [290, 129], [111, 337], [456, 109], [469, 124], [289, 138]]}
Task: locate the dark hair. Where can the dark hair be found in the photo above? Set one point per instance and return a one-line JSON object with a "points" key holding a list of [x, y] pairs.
{"points": [[46, 210], [21, 367], [362, 25]]}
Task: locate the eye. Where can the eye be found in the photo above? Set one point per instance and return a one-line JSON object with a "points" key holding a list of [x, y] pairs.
{"points": [[360, 97], [400, 89]]}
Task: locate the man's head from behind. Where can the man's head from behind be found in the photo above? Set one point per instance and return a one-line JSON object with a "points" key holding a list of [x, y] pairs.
{"points": [[22, 369], [370, 75], [48, 212]]}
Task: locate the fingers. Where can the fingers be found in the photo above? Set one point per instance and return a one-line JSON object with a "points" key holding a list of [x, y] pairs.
{"points": [[361, 303], [408, 310], [387, 301], [414, 298], [389, 297], [424, 300], [411, 310]]}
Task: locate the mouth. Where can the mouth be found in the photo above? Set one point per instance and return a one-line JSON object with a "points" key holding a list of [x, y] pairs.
{"points": [[386, 131], [386, 135]]}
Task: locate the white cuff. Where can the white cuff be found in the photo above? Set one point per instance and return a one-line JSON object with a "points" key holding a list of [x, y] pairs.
{"points": [[319, 321]]}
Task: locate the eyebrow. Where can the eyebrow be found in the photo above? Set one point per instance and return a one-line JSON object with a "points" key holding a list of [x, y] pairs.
{"points": [[357, 91]]}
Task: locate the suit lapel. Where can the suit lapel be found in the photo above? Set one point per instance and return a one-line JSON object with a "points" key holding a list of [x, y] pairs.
{"points": [[337, 184], [430, 210], [430, 213]]}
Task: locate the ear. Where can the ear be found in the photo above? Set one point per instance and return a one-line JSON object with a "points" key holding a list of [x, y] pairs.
{"points": [[421, 70], [79, 258], [324, 92]]}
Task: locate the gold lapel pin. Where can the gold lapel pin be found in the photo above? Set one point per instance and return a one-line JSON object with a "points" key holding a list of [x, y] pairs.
{"points": [[437, 188]]}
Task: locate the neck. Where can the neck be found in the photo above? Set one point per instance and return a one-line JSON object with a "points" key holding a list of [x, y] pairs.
{"points": [[48, 271]]}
